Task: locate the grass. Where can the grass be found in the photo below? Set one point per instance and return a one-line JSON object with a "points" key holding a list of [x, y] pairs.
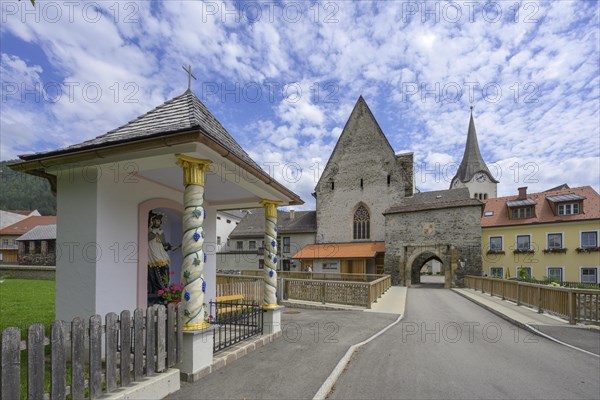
{"points": [[26, 301]]}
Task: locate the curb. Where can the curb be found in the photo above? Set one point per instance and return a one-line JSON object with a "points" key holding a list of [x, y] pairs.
{"points": [[527, 327]]}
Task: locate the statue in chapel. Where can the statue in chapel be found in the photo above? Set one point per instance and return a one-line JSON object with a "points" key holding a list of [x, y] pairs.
{"points": [[158, 259]]}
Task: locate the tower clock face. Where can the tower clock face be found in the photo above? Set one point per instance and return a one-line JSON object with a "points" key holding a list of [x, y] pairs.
{"points": [[480, 178]]}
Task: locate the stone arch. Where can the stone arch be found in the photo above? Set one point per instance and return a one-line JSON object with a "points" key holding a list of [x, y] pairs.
{"points": [[361, 222], [415, 256], [142, 246]]}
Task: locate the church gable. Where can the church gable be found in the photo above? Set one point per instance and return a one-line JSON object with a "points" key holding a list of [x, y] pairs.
{"points": [[361, 145], [362, 170]]}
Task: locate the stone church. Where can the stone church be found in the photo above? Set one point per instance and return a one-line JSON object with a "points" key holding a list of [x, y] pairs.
{"points": [[372, 219]]}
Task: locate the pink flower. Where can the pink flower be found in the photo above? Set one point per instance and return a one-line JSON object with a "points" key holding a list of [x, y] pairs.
{"points": [[210, 317], [160, 291], [167, 289]]}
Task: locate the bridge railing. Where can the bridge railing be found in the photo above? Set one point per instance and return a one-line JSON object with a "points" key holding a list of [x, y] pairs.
{"points": [[576, 305]]}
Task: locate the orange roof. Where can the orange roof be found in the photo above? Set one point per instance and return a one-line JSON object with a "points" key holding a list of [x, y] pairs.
{"points": [[543, 211], [341, 250], [27, 224]]}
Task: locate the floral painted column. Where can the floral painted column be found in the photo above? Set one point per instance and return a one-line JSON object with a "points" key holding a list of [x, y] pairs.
{"points": [[270, 273], [194, 257]]}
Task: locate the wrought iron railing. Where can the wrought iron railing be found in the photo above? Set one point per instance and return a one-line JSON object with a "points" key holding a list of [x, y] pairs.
{"points": [[236, 321]]}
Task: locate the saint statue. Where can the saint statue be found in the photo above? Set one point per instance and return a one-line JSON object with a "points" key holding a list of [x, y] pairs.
{"points": [[158, 259]]}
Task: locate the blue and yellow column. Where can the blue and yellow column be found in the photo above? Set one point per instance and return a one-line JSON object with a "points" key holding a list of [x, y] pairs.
{"points": [[270, 275], [194, 257]]}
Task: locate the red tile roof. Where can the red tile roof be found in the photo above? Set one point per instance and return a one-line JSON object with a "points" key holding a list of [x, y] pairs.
{"points": [[543, 211], [21, 212], [27, 224], [341, 250]]}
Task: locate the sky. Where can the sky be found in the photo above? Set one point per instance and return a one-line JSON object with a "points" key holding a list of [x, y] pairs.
{"points": [[283, 77]]}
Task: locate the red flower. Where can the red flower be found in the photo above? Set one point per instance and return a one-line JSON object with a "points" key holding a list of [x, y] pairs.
{"points": [[160, 291]]}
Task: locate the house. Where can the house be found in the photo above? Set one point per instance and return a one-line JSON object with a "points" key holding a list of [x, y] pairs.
{"points": [[245, 248], [227, 220], [547, 234], [9, 217], [38, 246], [9, 247], [366, 197]]}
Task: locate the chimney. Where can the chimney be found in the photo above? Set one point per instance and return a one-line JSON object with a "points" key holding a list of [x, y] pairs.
{"points": [[292, 215], [522, 193]]}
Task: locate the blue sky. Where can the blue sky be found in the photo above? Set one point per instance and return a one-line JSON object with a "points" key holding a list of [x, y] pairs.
{"points": [[283, 77]]}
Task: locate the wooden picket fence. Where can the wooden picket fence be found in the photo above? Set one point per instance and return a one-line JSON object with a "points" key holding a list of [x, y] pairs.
{"points": [[134, 348]]}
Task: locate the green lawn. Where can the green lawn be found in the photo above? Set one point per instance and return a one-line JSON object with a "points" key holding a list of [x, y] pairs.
{"points": [[24, 302]]}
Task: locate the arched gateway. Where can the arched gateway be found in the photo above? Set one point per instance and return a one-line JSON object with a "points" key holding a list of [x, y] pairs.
{"points": [[444, 226]]}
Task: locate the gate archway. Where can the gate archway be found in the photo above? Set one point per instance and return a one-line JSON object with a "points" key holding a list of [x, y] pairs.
{"points": [[416, 256]]}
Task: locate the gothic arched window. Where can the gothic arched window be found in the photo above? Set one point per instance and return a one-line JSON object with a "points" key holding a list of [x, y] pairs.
{"points": [[362, 223]]}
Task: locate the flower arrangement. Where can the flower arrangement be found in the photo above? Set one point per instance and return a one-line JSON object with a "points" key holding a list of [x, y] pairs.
{"points": [[587, 249], [555, 250], [171, 292]]}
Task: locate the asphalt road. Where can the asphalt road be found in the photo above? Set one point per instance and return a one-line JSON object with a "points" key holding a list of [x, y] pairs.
{"points": [[294, 366], [449, 348]]}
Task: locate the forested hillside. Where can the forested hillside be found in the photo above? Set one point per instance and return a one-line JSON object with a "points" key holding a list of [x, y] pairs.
{"points": [[20, 191]]}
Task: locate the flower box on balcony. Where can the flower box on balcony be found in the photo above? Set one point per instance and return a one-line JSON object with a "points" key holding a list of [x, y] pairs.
{"points": [[561, 250], [523, 251], [496, 252], [587, 249]]}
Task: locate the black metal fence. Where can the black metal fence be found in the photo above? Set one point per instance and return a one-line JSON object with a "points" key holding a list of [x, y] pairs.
{"points": [[237, 321]]}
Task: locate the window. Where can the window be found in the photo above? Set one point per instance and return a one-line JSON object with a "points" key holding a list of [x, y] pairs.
{"points": [[488, 214], [589, 239], [261, 264], [555, 240], [4, 242], [389, 181], [218, 240], [485, 196], [286, 244], [285, 265], [496, 272], [524, 272], [252, 245], [362, 228], [523, 242], [568, 209], [522, 212], [361, 183], [239, 245], [556, 273], [332, 186], [496, 243], [330, 265], [12, 242], [219, 218], [589, 275], [228, 221]]}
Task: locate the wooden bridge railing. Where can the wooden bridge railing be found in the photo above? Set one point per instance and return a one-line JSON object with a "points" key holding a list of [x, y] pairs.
{"points": [[576, 305], [134, 348]]}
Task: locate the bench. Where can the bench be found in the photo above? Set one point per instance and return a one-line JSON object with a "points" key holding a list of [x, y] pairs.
{"points": [[225, 309]]}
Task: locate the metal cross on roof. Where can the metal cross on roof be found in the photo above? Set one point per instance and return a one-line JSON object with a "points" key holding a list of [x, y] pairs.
{"points": [[190, 76]]}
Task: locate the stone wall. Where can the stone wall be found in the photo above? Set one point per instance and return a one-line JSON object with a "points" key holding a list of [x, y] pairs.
{"points": [[451, 234], [27, 272], [362, 154]]}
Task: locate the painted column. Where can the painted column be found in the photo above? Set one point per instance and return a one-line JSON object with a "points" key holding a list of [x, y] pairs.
{"points": [[194, 257], [270, 273]]}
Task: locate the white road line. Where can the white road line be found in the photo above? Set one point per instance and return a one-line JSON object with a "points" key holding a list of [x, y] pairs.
{"points": [[538, 332], [339, 368]]}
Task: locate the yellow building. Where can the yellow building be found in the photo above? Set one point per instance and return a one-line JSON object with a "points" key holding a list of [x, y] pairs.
{"points": [[549, 234]]}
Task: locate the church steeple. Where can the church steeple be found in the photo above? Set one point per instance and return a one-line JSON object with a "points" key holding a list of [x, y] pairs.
{"points": [[473, 169]]}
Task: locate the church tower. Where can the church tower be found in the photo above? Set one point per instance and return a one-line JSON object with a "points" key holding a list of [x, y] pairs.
{"points": [[473, 173]]}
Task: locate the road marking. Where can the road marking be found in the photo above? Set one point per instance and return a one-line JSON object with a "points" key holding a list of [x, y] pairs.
{"points": [[339, 368], [538, 332]]}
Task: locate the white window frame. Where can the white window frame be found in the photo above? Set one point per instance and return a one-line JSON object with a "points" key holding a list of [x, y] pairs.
{"points": [[588, 267], [501, 240], [500, 268], [562, 240], [562, 272], [252, 245], [517, 241], [571, 208], [588, 231]]}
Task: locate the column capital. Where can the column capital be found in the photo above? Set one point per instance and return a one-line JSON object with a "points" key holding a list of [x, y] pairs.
{"points": [[270, 207], [193, 169]]}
